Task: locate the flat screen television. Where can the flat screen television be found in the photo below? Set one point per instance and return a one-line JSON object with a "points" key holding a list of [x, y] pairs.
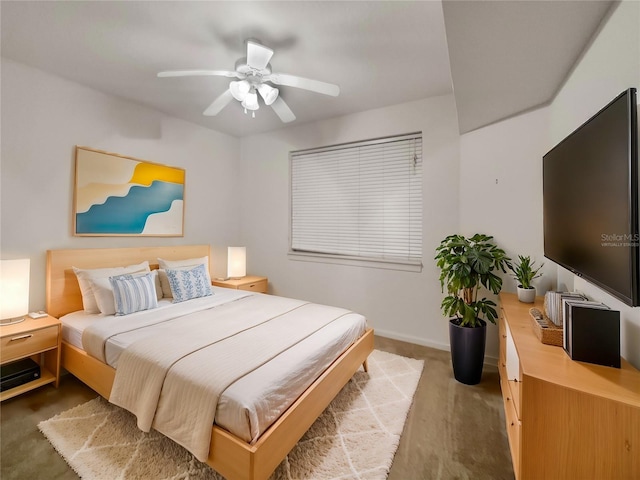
{"points": [[590, 197]]}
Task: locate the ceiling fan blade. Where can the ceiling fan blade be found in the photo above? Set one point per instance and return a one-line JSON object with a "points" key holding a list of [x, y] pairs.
{"points": [[304, 83], [218, 104], [258, 56], [283, 111], [199, 73]]}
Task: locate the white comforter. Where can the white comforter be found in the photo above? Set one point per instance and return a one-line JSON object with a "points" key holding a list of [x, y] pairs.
{"points": [[172, 382]]}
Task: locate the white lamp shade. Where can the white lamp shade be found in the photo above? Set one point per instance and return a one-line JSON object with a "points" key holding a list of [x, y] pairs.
{"points": [[239, 89], [236, 262], [14, 288], [268, 93], [250, 102]]}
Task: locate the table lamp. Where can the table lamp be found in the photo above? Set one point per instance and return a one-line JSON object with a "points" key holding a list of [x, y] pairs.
{"points": [[14, 290], [236, 262]]}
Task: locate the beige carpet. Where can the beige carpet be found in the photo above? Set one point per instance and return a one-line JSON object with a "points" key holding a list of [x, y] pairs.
{"points": [[355, 438]]}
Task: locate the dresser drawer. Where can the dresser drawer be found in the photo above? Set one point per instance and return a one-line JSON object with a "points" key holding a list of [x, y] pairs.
{"points": [[259, 286], [513, 426], [502, 360], [28, 343], [502, 368]]}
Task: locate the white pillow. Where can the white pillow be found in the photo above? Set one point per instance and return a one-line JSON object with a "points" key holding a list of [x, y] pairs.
{"points": [[185, 264], [134, 293], [189, 283], [103, 292], [86, 275]]}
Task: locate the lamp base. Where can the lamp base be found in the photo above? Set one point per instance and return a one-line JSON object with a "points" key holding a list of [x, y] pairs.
{"points": [[11, 321]]}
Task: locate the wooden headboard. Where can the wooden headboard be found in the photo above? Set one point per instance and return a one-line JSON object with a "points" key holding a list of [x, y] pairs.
{"points": [[63, 292]]}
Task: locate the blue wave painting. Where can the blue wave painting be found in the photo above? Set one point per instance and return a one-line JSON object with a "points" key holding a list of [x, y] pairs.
{"points": [[127, 215]]}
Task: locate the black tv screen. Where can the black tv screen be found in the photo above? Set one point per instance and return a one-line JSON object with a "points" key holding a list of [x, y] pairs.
{"points": [[590, 197]]}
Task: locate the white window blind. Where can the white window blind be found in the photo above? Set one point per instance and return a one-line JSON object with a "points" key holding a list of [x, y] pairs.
{"points": [[361, 200]]}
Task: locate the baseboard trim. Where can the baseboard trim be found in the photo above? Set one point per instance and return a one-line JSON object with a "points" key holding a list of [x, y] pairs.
{"points": [[411, 339], [488, 359]]}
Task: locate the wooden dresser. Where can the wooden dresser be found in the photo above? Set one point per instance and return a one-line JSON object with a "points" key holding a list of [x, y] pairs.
{"points": [[565, 419]]}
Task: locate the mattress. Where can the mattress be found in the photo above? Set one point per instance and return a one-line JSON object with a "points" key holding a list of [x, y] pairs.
{"points": [[250, 405]]}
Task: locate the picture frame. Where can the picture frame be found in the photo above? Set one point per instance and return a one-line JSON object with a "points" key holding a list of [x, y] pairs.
{"points": [[118, 195]]}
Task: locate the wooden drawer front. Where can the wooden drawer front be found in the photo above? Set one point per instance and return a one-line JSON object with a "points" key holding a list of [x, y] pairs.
{"points": [[502, 360], [515, 388], [513, 427], [28, 343], [259, 286], [502, 369]]}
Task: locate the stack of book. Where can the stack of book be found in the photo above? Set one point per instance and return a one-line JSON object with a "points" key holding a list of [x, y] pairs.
{"points": [[591, 332], [553, 305]]}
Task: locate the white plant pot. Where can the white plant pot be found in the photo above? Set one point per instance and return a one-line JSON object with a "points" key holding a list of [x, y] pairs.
{"points": [[526, 295]]}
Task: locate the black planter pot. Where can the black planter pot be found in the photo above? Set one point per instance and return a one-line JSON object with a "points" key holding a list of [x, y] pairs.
{"points": [[467, 351]]}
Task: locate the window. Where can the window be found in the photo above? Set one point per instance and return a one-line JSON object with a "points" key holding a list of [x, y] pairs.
{"points": [[359, 201]]}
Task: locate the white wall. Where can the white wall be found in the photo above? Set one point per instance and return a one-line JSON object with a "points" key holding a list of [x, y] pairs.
{"points": [[401, 305], [44, 117], [611, 65], [501, 192], [501, 184]]}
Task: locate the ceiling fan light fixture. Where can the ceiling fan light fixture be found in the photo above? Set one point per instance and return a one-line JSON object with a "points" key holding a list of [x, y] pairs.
{"points": [[249, 74], [250, 101], [268, 93], [240, 89]]}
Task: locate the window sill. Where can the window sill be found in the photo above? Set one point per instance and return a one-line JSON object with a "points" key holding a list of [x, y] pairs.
{"points": [[355, 261]]}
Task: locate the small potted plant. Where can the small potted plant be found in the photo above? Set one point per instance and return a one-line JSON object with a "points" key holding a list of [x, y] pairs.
{"points": [[466, 265], [524, 272]]}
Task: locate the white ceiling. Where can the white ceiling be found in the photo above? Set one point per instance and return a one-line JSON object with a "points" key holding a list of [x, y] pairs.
{"points": [[499, 58], [511, 56]]}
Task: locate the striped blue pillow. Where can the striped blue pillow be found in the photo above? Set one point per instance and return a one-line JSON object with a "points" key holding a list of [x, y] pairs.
{"points": [[188, 284], [134, 293]]}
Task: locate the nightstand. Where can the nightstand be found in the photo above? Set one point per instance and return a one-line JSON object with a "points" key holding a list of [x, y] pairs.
{"points": [[250, 282], [36, 338]]}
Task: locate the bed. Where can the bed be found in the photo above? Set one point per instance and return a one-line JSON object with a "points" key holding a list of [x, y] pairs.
{"points": [[233, 454]]}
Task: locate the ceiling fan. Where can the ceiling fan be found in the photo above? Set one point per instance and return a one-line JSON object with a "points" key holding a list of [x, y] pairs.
{"points": [[253, 73]]}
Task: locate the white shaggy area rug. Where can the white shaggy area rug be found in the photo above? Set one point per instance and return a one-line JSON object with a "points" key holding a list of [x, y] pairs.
{"points": [[356, 437]]}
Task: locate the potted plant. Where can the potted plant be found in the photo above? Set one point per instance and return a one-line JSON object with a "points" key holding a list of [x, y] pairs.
{"points": [[466, 265], [524, 272]]}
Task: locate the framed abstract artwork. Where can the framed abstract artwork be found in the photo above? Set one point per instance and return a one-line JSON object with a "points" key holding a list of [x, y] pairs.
{"points": [[116, 195]]}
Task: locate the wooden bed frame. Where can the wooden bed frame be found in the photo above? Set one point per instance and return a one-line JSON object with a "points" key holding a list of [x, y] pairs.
{"points": [[229, 455]]}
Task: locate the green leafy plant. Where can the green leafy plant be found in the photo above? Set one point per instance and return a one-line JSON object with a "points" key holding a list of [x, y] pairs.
{"points": [[525, 271], [465, 265]]}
